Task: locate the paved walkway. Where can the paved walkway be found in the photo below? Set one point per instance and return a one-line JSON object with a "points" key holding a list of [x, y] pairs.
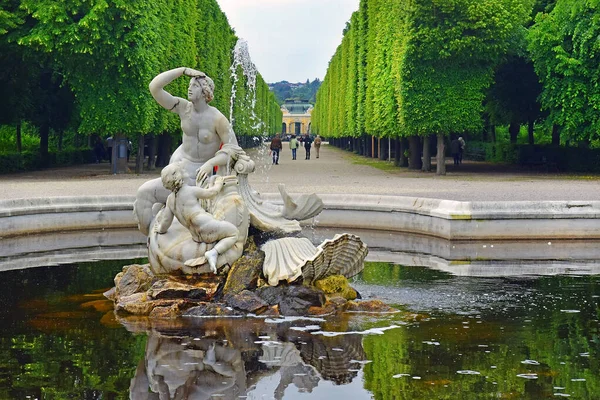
{"points": [[336, 171]]}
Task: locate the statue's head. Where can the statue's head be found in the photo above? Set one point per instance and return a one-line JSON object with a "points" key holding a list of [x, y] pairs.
{"points": [[173, 176], [201, 85]]}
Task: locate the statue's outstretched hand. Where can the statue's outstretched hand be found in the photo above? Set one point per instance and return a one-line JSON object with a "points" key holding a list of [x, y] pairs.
{"points": [[203, 173], [193, 73]]}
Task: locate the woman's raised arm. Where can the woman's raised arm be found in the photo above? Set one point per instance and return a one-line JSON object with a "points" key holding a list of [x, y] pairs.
{"points": [[164, 98]]}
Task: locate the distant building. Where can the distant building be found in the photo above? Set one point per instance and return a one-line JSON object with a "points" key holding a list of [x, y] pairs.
{"points": [[296, 117]]}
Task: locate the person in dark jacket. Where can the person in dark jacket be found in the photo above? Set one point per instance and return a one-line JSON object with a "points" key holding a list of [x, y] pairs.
{"points": [[307, 141], [276, 147], [99, 150], [455, 150]]}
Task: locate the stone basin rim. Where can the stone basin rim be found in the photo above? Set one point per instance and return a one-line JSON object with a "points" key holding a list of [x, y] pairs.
{"points": [[448, 219]]}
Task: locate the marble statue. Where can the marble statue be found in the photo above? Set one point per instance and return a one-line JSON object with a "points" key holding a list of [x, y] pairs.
{"points": [[208, 238], [183, 203], [197, 223], [204, 130], [201, 258]]}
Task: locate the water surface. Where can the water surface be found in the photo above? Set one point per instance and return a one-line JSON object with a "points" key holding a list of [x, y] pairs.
{"points": [[528, 337]]}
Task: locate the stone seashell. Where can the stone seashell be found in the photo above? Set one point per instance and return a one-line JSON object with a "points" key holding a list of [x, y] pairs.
{"points": [[343, 255], [284, 258], [304, 207]]}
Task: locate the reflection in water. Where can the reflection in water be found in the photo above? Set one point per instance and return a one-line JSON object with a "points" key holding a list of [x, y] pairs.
{"points": [[458, 338], [199, 359], [179, 368]]}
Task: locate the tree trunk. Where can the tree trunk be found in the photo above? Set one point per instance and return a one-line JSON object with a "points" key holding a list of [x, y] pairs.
{"points": [[397, 142], [152, 152], [113, 159], [19, 142], [493, 133], [139, 158], [441, 155], [60, 139], [164, 150], [555, 135], [403, 147], [530, 127], [426, 167], [414, 150], [373, 147], [44, 134], [513, 130]]}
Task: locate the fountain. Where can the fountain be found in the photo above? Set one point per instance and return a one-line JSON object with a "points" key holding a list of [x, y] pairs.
{"points": [[215, 246]]}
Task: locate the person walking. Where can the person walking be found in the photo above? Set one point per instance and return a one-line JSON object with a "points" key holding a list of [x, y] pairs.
{"points": [[455, 150], [109, 147], [276, 147], [294, 146], [462, 148], [317, 145], [307, 140], [99, 150]]}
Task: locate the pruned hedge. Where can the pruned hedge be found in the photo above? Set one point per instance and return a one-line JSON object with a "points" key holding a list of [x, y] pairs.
{"points": [[554, 158], [32, 160]]}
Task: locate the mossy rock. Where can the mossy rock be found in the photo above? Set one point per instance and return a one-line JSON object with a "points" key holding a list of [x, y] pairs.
{"points": [[336, 285], [246, 271]]}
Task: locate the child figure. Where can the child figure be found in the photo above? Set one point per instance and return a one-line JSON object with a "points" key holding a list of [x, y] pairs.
{"points": [[184, 204]]}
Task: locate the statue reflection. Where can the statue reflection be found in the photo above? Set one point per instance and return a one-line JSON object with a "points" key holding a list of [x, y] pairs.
{"points": [[183, 368], [229, 359]]}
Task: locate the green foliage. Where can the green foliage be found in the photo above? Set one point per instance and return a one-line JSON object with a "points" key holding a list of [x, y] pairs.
{"points": [[106, 52], [30, 140], [31, 160], [513, 96], [406, 68], [450, 57], [285, 90], [566, 57], [501, 152]]}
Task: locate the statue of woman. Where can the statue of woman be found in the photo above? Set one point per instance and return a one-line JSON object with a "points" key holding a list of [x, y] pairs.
{"points": [[204, 130]]}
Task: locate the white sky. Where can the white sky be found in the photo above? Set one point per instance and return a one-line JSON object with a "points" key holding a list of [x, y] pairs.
{"points": [[290, 40]]}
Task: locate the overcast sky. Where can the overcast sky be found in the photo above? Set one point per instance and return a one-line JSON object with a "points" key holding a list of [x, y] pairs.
{"points": [[290, 40]]}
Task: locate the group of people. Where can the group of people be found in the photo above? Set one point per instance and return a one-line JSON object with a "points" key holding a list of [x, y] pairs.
{"points": [[306, 141], [457, 148], [105, 153]]}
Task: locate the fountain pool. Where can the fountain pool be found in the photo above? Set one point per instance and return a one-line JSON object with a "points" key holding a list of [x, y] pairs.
{"points": [[528, 336]]}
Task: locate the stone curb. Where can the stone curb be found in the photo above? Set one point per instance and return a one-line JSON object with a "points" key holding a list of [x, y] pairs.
{"points": [[453, 220]]}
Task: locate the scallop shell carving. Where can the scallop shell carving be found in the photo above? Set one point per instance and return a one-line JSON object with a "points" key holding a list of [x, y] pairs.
{"points": [[284, 258], [343, 255], [304, 207]]}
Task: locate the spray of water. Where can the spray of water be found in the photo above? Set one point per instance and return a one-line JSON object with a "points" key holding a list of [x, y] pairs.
{"points": [[242, 61], [241, 58]]}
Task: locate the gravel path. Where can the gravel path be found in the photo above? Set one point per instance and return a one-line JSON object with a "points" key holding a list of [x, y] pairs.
{"points": [[334, 172]]}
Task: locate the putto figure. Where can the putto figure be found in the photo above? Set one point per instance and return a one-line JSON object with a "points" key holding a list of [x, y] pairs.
{"points": [[184, 203]]}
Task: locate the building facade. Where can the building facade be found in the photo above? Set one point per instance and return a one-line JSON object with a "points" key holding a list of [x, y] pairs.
{"points": [[296, 117]]}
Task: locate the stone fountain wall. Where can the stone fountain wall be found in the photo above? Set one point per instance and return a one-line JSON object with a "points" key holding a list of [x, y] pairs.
{"points": [[446, 219]]}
